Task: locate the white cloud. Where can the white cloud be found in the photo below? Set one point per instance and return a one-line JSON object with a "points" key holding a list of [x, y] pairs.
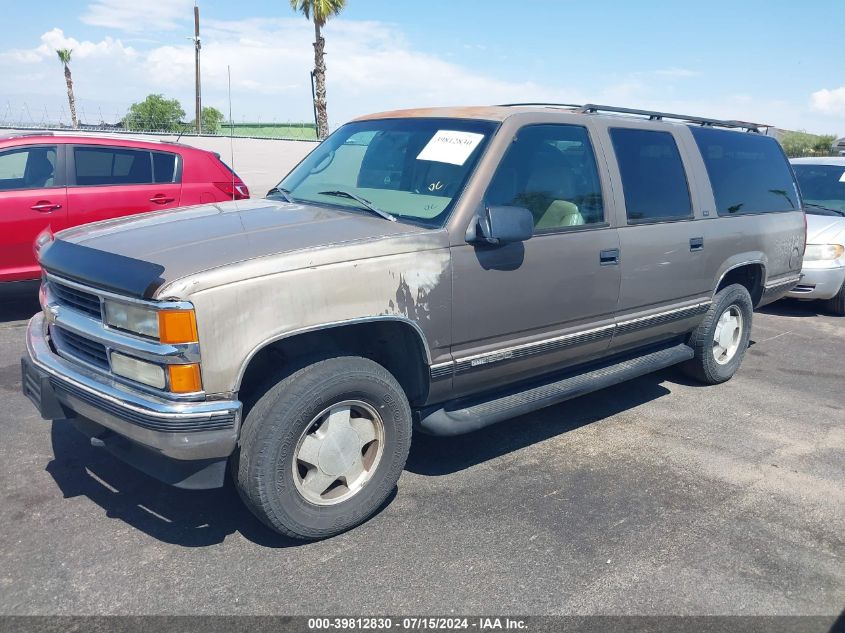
{"points": [[831, 102], [55, 39], [135, 15], [371, 67]]}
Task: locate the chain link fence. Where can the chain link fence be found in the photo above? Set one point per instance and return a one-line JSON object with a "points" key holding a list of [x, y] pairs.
{"points": [[24, 116]]}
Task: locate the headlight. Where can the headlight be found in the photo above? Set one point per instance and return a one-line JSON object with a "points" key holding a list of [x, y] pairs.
{"points": [[138, 370], [132, 318], [43, 238], [166, 326], [823, 252]]}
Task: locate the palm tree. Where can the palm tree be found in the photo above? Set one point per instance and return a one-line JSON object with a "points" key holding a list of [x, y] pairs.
{"points": [[320, 11], [64, 57]]}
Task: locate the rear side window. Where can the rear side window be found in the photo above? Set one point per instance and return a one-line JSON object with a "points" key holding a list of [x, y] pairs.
{"points": [[653, 178], [749, 172], [164, 167], [28, 168], [112, 166]]}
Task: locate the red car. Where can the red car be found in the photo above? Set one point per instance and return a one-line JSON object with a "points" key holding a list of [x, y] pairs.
{"points": [[59, 181]]}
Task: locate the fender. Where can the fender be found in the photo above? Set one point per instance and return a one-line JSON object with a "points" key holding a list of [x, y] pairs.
{"points": [[329, 326]]}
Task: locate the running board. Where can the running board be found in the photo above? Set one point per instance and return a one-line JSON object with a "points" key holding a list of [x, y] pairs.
{"points": [[445, 421]]}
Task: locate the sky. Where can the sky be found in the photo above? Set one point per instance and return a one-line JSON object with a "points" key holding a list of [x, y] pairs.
{"points": [[775, 62]]}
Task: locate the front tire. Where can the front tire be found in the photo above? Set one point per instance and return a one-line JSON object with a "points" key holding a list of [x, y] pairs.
{"points": [[720, 340], [323, 448], [837, 303]]}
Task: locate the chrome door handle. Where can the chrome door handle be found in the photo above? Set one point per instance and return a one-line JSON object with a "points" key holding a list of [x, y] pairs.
{"points": [[45, 206]]}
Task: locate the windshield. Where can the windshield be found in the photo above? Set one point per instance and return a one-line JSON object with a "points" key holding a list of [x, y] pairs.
{"points": [[412, 168], [822, 186]]}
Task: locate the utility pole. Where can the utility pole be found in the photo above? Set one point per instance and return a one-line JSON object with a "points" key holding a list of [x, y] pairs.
{"points": [[197, 47]]}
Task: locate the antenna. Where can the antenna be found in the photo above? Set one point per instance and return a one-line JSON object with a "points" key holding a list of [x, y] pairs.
{"points": [[182, 131], [231, 131], [197, 48]]}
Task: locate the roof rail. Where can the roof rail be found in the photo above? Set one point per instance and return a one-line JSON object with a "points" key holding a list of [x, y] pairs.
{"points": [[111, 135], [10, 135], [540, 103], [653, 115]]}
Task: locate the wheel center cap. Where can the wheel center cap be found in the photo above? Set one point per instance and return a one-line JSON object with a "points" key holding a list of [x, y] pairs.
{"points": [[338, 452]]}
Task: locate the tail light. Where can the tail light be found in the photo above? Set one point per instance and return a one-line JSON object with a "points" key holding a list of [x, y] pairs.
{"points": [[234, 190], [804, 252]]}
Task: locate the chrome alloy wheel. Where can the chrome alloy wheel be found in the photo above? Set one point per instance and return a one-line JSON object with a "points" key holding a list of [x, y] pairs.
{"points": [[338, 452], [728, 334]]}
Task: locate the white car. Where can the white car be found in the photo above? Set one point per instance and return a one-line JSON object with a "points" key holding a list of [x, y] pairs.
{"points": [[822, 182]]}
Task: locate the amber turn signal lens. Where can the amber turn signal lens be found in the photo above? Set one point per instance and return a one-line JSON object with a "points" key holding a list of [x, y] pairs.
{"points": [[185, 378], [177, 326]]}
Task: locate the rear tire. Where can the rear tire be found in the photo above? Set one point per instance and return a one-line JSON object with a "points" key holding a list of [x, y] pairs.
{"points": [[720, 340], [322, 450], [837, 303]]}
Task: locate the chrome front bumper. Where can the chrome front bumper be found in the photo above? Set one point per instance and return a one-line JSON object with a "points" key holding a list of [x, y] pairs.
{"points": [[180, 430]]}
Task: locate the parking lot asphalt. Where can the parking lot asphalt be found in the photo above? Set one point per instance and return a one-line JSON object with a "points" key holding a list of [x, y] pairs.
{"points": [[657, 496]]}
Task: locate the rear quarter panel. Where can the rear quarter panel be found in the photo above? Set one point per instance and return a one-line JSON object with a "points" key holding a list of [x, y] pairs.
{"points": [[200, 170]]}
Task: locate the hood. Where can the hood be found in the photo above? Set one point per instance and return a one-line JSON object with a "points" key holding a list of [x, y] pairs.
{"points": [[825, 229], [168, 245]]}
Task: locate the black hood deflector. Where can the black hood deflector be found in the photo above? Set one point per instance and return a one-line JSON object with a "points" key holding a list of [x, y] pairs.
{"points": [[100, 269]]}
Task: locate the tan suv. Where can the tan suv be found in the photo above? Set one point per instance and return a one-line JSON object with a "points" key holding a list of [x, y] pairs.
{"points": [[445, 268]]}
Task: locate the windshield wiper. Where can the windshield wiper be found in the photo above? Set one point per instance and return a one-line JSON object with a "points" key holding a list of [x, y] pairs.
{"points": [[821, 206], [363, 202], [283, 192]]}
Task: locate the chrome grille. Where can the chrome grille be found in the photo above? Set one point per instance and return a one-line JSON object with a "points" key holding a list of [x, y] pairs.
{"points": [[76, 299], [71, 344]]}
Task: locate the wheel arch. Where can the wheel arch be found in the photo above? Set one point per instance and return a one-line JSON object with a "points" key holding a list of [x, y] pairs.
{"points": [[388, 340], [749, 273]]}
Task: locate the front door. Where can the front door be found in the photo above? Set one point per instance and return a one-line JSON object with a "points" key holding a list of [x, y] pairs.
{"points": [[32, 199], [528, 308]]}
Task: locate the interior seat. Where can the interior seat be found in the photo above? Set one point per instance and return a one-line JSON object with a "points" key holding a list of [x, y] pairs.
{"points": [[551, 188], [39, 171]]}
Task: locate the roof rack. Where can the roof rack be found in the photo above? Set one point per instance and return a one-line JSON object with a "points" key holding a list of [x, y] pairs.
{"points": [[592, 108], [540, 103]]}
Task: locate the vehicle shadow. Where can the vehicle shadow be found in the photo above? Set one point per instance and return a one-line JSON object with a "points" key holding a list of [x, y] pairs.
{"points": [[18, 301], [435, 456], [198, 518], [190, 518], [796, 308]]}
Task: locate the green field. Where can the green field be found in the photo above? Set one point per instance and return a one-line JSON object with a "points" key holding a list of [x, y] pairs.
{"points": [[303, 131]]}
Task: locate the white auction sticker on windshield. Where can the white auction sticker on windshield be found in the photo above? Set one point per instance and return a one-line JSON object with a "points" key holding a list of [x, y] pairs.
{"points": [[842, 177], [448, 146]]}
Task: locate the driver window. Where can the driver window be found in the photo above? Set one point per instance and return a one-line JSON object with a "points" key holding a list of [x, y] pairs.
{"points": [[550, 170]]}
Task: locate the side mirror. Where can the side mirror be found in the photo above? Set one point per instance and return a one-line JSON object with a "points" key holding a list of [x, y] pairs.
{"points": [[502, 225]]}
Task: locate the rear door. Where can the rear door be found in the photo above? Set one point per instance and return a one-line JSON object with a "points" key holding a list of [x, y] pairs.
{"points": [[111, 181], [32, 198], [666, 286]]}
